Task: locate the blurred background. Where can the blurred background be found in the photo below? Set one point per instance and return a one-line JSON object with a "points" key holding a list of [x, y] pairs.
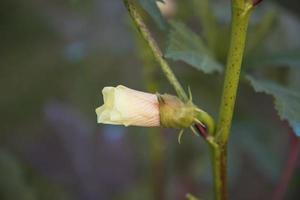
{"points": [[55, 58]]}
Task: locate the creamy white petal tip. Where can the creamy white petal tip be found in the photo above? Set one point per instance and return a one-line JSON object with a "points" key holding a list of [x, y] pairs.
{"points": [[128, 107]]}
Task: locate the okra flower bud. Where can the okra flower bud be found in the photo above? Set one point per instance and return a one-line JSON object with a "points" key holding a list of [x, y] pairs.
{"points": [[128, 107]]}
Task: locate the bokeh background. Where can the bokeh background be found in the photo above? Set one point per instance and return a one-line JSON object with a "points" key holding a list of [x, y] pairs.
{"points": [[55, 58]]}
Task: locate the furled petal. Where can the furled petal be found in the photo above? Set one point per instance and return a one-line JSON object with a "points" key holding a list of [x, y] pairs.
{"points": [[128, 107]]}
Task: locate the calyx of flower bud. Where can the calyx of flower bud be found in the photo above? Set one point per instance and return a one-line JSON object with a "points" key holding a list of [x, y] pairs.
{"points": [[174, 113]]}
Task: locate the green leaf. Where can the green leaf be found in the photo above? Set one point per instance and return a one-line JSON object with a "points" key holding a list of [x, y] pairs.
{"points": [[289, 58], [151, 8], [185, 45], [287, 101], [189, 196]]}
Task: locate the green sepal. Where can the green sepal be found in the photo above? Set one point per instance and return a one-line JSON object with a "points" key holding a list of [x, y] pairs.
{"points": [[174, 113]]}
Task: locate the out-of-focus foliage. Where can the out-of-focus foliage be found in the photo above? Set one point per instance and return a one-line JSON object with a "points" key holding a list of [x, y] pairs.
{"points": [[187, 46], [191, 197], [287, 58], [152, 9], [17, 183], [13, 184], [287, 101], [261, 29]]}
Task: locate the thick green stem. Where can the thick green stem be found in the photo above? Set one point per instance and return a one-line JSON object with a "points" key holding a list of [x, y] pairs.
{"points": [[239, 24], [142, 28], [219, 161], [240, 16]]}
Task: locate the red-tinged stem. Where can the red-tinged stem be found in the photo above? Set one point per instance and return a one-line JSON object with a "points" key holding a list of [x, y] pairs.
{"points": [[294, 151], [256, 2], [219, 154]]}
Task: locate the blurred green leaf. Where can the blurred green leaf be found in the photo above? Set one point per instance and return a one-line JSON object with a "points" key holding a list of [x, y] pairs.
{"points": [[140, 190], [13, 184], [264, 27], [204, 10], [190, 197], [152, 9], [287, 101], [187, 46], [289, 58]]}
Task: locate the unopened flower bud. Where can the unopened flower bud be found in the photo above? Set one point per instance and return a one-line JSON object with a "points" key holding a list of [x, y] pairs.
{"points": [[128, 107]]}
